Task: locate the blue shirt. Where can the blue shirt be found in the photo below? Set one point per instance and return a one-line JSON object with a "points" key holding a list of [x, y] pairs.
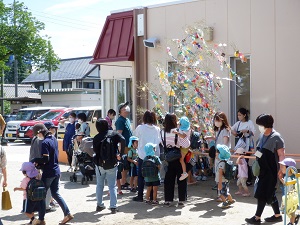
{"points": [[123, 124], [50, 147], [69, 133]]}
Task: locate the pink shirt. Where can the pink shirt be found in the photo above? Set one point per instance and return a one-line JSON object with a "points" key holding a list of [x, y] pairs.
{"points": [[23, 185], [243, 169]]}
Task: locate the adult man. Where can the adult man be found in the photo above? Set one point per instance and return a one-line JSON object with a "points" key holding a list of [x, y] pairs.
{"points": [[103, 171], [124, 128]]}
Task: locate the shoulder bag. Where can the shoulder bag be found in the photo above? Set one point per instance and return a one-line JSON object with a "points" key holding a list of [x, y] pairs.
{"points": [[172, 153]]}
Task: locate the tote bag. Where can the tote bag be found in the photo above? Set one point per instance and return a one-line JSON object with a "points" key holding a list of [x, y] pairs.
{"points": [[6, 202]]}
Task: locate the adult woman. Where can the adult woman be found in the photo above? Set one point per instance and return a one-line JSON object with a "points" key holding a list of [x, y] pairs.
{"points": [[147, 132], [270, 150], [84, 126], [50, 167], [174, 170], [244, 128]]}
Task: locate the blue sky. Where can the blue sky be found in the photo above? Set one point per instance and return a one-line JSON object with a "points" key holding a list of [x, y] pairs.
{"points": [[75, 25]]}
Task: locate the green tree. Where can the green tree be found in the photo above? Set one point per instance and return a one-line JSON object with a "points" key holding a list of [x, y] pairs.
{"points": [[21, 37]]}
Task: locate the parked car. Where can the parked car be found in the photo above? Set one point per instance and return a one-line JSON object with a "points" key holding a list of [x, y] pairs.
{"points": [[25, 132], [92, 114], [23, 115]]}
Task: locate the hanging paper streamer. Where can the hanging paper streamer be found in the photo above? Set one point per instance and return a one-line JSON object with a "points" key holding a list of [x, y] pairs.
{"points": [[191, 86]]}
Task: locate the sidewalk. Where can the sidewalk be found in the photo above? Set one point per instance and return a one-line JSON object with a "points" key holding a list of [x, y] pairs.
{"points": [[201, 208]]}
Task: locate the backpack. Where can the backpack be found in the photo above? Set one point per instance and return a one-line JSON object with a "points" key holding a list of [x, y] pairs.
{"points": [[36, 190], [229, 170], [195, 140], [107, 153], [149, 167]]}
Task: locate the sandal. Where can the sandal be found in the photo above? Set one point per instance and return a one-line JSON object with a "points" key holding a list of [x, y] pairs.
{"points": [[238, 193]]}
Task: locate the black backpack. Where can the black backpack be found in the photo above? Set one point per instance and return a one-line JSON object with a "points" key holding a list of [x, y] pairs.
{"points": [[149, 167], [230, 169], [195, 140], [107, 155], [36, 190]]}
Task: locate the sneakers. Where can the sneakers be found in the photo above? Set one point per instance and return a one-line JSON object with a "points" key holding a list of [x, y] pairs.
{"points": [[181, 204], [114, 210], [274, 219], [253, 220], [100, 208], [199, 178], [120, 193], [204, 178], [38, 222], [183, 176], [51, 209], [155, 202], [70, 169], [67, 218], [133, 190], [168, 204], [149, 202], [246, 194], [231, 202], [225, 205], [215, 187]]}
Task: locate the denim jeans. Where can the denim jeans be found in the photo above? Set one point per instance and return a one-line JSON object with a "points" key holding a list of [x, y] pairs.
{"points": [[111, 177], [53, 184]]}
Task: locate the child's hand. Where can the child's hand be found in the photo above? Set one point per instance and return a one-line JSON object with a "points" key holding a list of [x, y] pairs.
{"points": [[242, 156], [135, 162]]}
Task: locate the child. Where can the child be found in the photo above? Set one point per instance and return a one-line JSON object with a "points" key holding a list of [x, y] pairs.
{"points": [[133, 158], [184, 142], [152, 183], [223, 184], [284, 164], [242, 173], [29, 207]]}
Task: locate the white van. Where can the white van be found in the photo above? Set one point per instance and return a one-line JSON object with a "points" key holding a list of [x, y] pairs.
{"points": [[92, 114], [24, 115]]}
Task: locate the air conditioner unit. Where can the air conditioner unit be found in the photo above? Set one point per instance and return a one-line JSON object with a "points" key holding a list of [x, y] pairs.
{"points": [[151, 42]]}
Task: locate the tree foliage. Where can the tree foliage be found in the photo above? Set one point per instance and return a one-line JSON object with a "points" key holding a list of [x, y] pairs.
{"points": [[21, 37]]}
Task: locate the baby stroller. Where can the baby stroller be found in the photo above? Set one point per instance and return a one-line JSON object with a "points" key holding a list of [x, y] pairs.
{"points": [[83, 157]]}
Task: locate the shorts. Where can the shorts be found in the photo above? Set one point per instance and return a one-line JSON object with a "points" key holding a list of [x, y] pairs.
{"points": [[184, 150], [242, 181], [119, 175], [30, 206], [225, 189], [153, 183], [133, 171]]}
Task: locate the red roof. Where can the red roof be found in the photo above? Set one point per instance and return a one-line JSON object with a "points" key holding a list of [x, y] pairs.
{"points": [[116, 40]]}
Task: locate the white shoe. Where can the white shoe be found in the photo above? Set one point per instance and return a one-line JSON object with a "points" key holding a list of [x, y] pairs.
{"points": [[183, 176], [70, 169]]}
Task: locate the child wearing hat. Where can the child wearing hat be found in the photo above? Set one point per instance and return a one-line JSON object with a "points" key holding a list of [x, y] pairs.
{"points": [[242, 173], [223, 153], [29, 207], [184, 142], [152, 183], [284, 164], [132, 157]]}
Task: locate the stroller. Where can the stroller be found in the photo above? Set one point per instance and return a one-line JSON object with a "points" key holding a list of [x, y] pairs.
{"points": [[83, 160]]}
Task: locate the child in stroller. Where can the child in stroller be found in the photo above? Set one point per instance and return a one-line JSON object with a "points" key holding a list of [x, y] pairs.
{"points": [[83, 159]]}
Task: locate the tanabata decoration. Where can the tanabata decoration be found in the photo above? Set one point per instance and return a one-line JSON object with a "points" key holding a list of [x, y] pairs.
{"points": [[190, 86]]}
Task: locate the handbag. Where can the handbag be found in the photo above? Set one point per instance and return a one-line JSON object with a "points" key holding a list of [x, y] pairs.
{"points": [[172, 153], [6, 202], [255, 168]]}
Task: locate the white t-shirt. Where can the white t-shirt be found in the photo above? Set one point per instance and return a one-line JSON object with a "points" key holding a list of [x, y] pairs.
{"points": [[147, 134], [248, 125], [220, 137]]}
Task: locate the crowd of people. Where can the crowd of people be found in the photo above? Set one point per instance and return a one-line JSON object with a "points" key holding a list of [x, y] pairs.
{"points": [[153, 148]]}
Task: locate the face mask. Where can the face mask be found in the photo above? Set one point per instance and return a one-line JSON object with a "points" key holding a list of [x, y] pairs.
{"points": [[80, 121], [127, 109], [262, 129], [218, 124], [40, 138], [71, 120]]}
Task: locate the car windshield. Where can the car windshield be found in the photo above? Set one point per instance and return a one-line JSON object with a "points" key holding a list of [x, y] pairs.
{"points": [[49, 116], [24, 115]]}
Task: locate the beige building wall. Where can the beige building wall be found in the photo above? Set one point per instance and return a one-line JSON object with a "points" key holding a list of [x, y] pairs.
{"points": [[268, 31], [71, 100]]}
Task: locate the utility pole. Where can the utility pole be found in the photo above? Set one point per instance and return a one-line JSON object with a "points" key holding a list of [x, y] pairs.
{"points": [[2, 93], [15, 57], [49, 66]]}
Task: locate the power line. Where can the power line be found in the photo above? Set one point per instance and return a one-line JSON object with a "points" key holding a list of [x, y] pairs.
{"points": [[61, 16], [64, 21]]}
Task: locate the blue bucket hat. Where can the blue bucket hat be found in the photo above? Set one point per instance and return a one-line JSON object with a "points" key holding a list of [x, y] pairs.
{"points": [[224, 152], [149, 149], [184, 123], [131, 139]]}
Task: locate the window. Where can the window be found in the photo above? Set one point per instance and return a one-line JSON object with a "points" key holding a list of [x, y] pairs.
{"points": [[39, 86], [90, 85], [66, 84], [240, 87]]}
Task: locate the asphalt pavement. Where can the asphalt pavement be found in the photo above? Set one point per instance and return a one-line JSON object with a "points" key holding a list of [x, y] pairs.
{"points": [[201, 207]]}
